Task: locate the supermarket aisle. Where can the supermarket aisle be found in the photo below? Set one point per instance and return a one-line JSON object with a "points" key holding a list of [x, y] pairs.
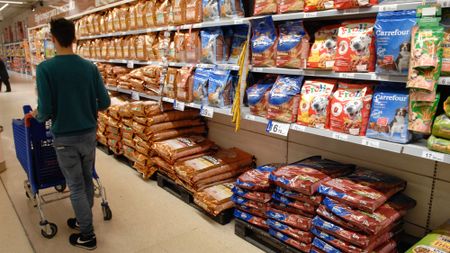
{"points": [[145, 217]]}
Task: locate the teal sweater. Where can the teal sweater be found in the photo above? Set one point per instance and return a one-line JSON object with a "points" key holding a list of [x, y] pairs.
{"points": [[70, 92]]}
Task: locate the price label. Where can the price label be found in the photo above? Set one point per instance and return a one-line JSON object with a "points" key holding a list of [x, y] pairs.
{"points": [[339, 136], [430, 11], [205, 66], [250, 117], [390, 7], [130, 65], [257, 69], [238, 21], [433, 155], [299, 128], [135, 95], [347, 75], [310, 14], [370, 143], [279, 128], [444, 81], [207, 111], [351, 11], [177, 105]]}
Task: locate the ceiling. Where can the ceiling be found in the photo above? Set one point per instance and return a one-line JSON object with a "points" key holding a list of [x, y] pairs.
{"points": [[14, 10]]}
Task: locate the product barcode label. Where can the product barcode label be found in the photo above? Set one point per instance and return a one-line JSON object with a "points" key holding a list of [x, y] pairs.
{"points": [[279, 128], [130, 65], [340, 136], [207, 111], [135, 95], [299, 128], [433, 155], [370, 143], [177, 105]]}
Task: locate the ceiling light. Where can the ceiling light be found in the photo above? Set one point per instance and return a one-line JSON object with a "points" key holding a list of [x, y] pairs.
{"points": [[3, 7], [11, 2]]}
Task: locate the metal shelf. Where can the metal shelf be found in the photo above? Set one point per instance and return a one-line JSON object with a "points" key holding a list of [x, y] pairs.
{"points": [[172, 64], [420, 150]]}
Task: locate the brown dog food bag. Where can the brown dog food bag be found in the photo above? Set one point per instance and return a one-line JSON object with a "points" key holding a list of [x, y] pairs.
{"points": [[194, 12], [172, 125], [115, 15], [150, 8], [285, 6], [119, 48], [96, 20], [126, 48], [180, 46], [140, 15], [173, 149], [264, 7], [140, 47], [124, 17], [184, 84], [193, 46], [90, 25], [132, 24], [169, 84], [162, 12], [179, 12], [132, 48], [149, 41], [111, 49], [215, 199], [172, 116], [172, 133]]}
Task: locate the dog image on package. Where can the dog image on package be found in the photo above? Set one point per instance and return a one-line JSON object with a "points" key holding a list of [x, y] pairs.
{"points": [[314, 103], [323, 51], [355, 47]]}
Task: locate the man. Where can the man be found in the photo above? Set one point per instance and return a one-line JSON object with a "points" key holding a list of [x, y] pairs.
{"points": [[70, 91], [4, 77]]}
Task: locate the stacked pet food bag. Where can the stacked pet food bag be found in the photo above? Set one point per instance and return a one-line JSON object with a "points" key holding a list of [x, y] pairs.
{"points": [[319, 205]]}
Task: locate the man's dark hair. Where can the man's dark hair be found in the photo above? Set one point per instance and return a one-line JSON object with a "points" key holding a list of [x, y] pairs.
{"points": [[63, 30]]}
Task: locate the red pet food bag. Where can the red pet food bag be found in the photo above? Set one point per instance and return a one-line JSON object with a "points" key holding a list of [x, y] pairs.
{"points": [[349, 4], [364, 189], [356, 47], [350, 108]]}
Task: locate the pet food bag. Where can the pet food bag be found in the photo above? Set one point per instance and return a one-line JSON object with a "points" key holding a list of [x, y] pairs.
{"points": [[193, 46], [434, 242], [383, 217], [213, 46], [239, 39], [200, 86], [306, 176], [231, 8], [284, 98], [285, 6], [389, 115], [241, 201], [349, 4], [169, 89], [252, 219], [441, 127], [421, 115], [350, 108], [219, 88], [258, 97], [264, 7], [314, 103], [264, 42], [179, 12], [288, 209], [173, 149], [364, 189], [297, 234], [393, 41], [303, 206], [303, 247], [215, 199], [257, 179], [184, 84], [323, 51], [323, 212], [293, 45], [445, 70], [262, 197], [427, 46], [194, 13], [439, 144], [318, 5], [290, 219], [311, 199], [355, 47], [210, 10]]}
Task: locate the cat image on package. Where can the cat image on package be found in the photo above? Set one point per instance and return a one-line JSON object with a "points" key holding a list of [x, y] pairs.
{"points": [[389, 115]]}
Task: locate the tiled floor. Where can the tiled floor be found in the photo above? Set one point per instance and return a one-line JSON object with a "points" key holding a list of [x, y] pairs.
{"points": [[145, 217]]}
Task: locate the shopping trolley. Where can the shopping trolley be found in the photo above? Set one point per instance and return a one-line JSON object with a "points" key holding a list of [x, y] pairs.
{"points": [[35, 152]]}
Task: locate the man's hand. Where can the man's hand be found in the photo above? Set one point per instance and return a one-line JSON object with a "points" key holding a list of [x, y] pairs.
{"points": [[33, 113]]}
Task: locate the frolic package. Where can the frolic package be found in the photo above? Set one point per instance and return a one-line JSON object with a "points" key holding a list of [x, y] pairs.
{"points": [[389, 115], [323, 51], [264, 42], [231, 8], [393, 41], [314, 103], [284, 97], [356, 47], [293, 45]]}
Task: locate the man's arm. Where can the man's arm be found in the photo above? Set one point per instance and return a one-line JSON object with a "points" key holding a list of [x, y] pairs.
{"points": [[44, 110], [103, 99]]}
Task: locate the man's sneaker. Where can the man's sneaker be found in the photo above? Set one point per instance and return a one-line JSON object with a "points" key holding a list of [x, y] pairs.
{"points": [[84, 242], [73, 224]]}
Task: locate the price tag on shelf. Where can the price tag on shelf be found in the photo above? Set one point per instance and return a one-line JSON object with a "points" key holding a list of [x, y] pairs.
{"points": [[257, 69], [388, 7], [135, 95], [250, 117], [339, 136], [298, 127], [433, 155], [310, 14], [238, 21], [177, 105], [444, 81], [370, 143], [130, 65], [347, 75], [206, 111], [279, 128], [351, 11]]}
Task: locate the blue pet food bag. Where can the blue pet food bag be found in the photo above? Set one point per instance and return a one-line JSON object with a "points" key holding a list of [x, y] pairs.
{"points": [[220, 88], [201, 77], [284, 98], [264, 38]]}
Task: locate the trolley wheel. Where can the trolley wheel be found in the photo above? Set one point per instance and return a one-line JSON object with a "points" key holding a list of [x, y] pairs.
{"points": [[107, 214], [49, 231], [60, 188]]}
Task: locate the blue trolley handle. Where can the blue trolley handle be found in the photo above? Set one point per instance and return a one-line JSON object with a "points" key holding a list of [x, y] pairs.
{"points": [[27, 109]]}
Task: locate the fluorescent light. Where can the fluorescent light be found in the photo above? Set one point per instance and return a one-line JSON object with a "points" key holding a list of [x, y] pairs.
{"points": [[3, 7], [11, 2]]}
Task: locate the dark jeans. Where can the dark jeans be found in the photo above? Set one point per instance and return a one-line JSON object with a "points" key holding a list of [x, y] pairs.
{"points": [[7, 84], [76, 157]]}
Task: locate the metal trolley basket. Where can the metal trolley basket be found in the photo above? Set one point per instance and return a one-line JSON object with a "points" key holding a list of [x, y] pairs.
{"points": [[35, 152]]}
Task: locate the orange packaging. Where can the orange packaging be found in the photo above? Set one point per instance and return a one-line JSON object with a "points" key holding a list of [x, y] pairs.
{"points": [[140, 16], [264, 7], [119, 48], [104, 49], [349, 4], [149, 41], [96, 20], [132, 17], [115, 13], [323, 51], [155, 49], [194, 12], [355, 47], [102, 25], [170, 90], [184, 84], [109, 20], [180, 46], [285, 6], [350, 108], [124, 17], [98, 49], [126, 48], [318, 5], [179, 12], [193, 46], [162, 12], [112, 50], [132, 48], [140, 48], [90, 24], [150, 18]]}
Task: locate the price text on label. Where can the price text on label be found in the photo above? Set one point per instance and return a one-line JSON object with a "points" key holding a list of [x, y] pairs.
{"points": [[207, 111], [433, 155], [279, 128], [135, 95], [177, 105], [339, 136]]}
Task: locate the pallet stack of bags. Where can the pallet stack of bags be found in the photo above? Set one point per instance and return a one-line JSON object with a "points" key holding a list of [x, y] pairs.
{"points": [[360, 212], [114, 75], [296, 198], [252, 195], [111, 121]]}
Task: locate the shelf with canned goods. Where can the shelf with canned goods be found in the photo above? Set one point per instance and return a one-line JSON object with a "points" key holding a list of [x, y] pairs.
{"points": [[217, 23]]}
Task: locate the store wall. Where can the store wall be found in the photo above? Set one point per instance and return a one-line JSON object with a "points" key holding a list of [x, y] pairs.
{"points": [[417, 172]]}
